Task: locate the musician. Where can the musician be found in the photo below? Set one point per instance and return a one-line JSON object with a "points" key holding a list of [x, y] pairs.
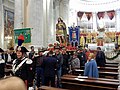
{"points": [[22, 66]]}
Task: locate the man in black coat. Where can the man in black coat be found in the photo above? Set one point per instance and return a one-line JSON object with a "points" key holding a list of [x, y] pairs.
{"points": [[49, 65], [100, 57], [39, 70]]}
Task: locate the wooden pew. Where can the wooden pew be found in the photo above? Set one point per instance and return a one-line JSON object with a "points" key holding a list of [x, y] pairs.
{"points": [[111, 65], [50, 88], [108, 69], [101, 73], [83, 83]]}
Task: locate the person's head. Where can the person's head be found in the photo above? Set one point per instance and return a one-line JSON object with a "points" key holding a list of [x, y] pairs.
{"points": [[11, 49], [40, 52], [5, 51], [32, 48], [98, 48], [91, 56], [50, 53], [60, 20], [75, 54], [21, 51], [64, 50], [57, 49], [12, 83]]}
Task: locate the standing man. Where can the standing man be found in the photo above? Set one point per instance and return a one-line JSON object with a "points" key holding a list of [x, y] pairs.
{"points": [[22, 66], [39, 69], [32, 52], [59, 58], [49, 65], [65, 65], [100, 57]]}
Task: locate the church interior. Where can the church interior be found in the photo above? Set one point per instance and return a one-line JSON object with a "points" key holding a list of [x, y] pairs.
{"points": [[60, 44]]}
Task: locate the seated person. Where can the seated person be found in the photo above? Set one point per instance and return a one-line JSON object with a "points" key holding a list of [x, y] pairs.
{"points": [[12, 83], [75, 62]]}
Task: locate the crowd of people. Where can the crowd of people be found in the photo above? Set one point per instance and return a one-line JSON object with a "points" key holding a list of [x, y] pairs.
{"points": [[48, 65]]}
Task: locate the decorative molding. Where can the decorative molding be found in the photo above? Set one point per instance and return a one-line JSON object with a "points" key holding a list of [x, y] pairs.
{"points": [[95, 6]]}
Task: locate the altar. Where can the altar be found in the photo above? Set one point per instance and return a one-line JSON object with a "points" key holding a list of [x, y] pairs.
{"points": [[105, 47]]}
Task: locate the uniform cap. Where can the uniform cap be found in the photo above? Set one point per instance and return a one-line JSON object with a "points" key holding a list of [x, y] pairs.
{"points": [[22, 49]]}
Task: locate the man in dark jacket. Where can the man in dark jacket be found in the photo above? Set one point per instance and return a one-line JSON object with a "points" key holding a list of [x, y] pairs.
{"points": [[59, 58], [49, 65], [100, 57], [39, 70]]}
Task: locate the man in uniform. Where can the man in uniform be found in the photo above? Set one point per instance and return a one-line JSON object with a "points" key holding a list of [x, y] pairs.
{"points": [[22, 66]]}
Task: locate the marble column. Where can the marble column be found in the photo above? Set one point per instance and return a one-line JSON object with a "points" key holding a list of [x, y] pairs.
{"points": [[56, 10], [35, 21], [94, 21], [50, 22], [64, 10], [117, 20], [18, 22], [1, 25], [40, 14]]}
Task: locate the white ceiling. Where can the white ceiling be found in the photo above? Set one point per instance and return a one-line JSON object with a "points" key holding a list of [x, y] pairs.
{"points": [[95, 5]]}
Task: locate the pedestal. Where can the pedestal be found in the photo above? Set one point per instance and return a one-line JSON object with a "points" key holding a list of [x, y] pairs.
{"points": [[100, 42]]}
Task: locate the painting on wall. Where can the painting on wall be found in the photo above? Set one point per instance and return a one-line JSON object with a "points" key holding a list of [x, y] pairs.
{"points": [[8, 28]]}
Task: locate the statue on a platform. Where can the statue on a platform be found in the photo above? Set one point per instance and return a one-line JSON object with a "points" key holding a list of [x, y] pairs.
{"points": [[101, 37], [61, 31]]}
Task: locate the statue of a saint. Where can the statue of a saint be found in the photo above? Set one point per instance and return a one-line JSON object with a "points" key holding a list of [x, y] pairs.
{"points": [[61, 30]]}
